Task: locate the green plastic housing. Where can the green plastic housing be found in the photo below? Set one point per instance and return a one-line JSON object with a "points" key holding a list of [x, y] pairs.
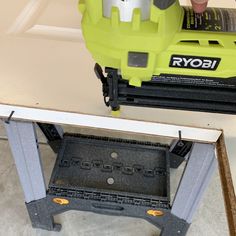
{"points": [[111, 41]]}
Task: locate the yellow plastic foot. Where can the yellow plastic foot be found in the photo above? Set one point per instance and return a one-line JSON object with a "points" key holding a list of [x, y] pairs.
{"points": [[115, 113]]}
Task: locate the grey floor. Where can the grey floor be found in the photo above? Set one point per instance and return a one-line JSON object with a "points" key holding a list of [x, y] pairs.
{"points": [[210, 220]]}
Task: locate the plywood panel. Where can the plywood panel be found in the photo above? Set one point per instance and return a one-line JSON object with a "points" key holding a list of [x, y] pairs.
{"points": [[56, 72]]}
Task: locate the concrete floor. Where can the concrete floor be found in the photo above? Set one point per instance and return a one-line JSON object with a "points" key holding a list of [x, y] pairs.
{"points": [[210, 219]]}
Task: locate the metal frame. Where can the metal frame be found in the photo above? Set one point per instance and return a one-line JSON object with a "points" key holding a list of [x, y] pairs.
{"points": [[24, 146]]}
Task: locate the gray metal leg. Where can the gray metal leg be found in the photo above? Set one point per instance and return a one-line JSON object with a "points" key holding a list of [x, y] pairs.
{"points": [[24, 147], [200, 167]]}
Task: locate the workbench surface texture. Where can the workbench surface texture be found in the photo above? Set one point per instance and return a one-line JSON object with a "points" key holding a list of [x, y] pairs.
{"points": [[44, 64]]}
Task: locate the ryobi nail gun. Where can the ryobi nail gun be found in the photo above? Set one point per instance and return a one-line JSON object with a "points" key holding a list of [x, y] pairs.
{"points": [[159, 54]]}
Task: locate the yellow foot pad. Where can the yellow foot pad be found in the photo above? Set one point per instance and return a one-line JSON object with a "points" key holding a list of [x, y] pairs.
{"points": [[115, 113]]}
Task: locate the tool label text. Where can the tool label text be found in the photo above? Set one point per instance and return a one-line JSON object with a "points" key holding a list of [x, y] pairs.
{"points": [[193, 62]]}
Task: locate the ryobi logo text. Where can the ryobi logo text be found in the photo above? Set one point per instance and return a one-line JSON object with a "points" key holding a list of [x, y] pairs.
{"points": [[192, 62]]}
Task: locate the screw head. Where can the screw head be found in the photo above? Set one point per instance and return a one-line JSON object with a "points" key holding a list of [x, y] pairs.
{"points": [[110, 181], [114, 155]]}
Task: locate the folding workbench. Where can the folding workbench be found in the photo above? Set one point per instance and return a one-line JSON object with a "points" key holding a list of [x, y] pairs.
{"points": [[41, 203]]}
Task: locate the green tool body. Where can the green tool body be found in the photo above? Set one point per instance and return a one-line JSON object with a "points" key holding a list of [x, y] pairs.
{"points": [[173, 40], [157, 53]]}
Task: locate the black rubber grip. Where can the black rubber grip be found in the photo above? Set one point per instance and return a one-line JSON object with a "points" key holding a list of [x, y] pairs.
{"points": [[163, 4]]}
